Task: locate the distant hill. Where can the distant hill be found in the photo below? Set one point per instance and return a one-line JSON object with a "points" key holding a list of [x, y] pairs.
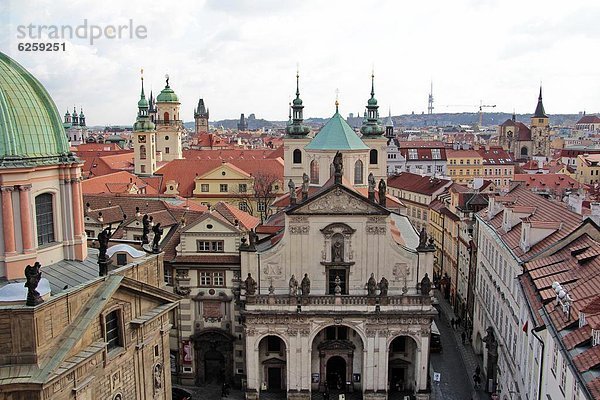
{"points": [[409, 120]]}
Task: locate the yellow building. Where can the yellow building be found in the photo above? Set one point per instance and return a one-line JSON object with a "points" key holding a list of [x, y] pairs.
{"points": [[464, 165], [588, 168]]}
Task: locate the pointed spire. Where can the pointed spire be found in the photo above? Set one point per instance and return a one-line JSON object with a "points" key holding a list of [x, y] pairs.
{"points": [[295, 127], [337, 100], [371, 123], [539, 109]]}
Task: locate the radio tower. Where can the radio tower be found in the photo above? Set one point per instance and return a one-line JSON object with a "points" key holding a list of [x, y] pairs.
{"points": [[430, 101]]}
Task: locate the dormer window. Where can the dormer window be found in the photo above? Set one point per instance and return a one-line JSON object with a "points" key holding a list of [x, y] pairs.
{"points": [[595, 337]]}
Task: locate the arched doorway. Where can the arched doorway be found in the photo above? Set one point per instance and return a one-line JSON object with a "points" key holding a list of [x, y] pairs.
{"points": [[213, 366], [402, 359], [336, 372], [273, 361], [213, 352], [337, 360]]}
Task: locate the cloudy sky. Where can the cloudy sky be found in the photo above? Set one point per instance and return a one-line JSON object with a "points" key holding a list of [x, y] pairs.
{"points": [[241, 56]]}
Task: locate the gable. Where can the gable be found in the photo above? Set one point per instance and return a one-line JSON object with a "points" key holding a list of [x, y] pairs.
{"points": [[201, 226], [225, 172], [338, 200]]}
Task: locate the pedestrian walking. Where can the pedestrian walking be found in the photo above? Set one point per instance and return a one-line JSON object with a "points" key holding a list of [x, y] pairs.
{"points": [[452, 323], [463, 336], [224, 390], [478, 370]]}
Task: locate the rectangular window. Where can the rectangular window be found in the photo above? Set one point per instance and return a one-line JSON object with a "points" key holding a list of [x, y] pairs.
{"points": [[273, 344], [166, 150], [204, 187], [168, 276], [412, 154], [44, 219], [554, 360], [243, 188], [113, 336], [205, 278], [333, 274], [435, 154], [219, 278], [563, 375], [121, 259], [243, 206], [210, 246], [223, 188], [260, 206]]}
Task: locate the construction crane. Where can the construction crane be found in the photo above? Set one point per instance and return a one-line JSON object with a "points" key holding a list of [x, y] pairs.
{"points": [[481, 107]]}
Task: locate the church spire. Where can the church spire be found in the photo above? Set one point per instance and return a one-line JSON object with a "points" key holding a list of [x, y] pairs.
{"points": [[539, 109], [296, 128], [371, 124]]}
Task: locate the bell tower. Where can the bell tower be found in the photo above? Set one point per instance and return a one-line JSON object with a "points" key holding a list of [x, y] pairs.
{"points": [[540, 130], [296, 138], [169, 128], [201, 117], [372, 135], [144, 138]]}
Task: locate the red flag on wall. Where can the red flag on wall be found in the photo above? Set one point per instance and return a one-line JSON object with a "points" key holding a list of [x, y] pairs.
{"points": [[526, 326]]}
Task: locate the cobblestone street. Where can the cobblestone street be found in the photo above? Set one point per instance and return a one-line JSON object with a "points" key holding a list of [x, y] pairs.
{"points": [[456, 362]]}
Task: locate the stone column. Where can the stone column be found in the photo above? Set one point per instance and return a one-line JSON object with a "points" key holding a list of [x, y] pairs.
{"points": [[252, 366], [77, 207], [422, 357], [26, 222], [8, 220]]}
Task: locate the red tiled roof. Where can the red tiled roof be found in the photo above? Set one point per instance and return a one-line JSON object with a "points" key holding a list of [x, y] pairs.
{"points": [[451, 153], [546, 210], [417, 184], [232, 214], [495, 156], [116, 182], [184, 171], [588, 119], [552, 182]]}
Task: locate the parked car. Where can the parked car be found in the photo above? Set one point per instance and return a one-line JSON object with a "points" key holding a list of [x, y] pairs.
{"points": [[180, 394]]}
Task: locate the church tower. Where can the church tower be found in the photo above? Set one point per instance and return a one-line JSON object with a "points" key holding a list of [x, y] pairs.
{"points": [[296, 138], [540, 130], [169, 128], [389, 126], [372, 135], [144, 139], [201, 117]]}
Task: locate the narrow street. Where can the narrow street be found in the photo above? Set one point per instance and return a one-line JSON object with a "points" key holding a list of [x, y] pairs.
{"points": [[454, 384]]}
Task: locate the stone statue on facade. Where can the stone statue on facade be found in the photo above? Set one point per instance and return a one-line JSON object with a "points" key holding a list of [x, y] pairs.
{"points": [[338, 168], [292, 190], [252, 238], [372, 285], [422, 238], [425, 285], [338, 285], [145, 229], [157, 376], [305, 285], [293, 286], [158, 231], [250, 285], [103, 239], [305, 184], [372, 184], [383, 286], [337, 251], [33, 276], [382, 192]]}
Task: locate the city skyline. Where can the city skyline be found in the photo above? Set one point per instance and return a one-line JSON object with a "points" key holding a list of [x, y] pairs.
{"points": [[242, 57]]}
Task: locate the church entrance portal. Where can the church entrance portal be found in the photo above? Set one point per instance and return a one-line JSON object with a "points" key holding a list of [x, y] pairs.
{"points": [[336, 372]]}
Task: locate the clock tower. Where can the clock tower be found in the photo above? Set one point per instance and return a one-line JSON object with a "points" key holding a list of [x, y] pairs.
{"points": [[144, 139]]}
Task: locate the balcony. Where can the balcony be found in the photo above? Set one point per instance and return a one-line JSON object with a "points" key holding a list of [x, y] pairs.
{"points": [[361, 303]]}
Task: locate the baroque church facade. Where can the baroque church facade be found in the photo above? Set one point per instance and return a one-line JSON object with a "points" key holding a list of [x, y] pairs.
{"points": [[339, 299], [527, 142]]}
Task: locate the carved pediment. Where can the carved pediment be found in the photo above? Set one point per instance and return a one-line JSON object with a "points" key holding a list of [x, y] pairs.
{"points": [[336, 345], [339, 200]]}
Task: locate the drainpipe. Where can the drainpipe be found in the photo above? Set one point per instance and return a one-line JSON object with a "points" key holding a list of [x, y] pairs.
{"points": [[539, 396]]}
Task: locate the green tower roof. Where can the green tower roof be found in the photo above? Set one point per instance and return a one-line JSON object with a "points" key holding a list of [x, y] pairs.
{"points": [[167, 95], [31, 129], [336, 134]]}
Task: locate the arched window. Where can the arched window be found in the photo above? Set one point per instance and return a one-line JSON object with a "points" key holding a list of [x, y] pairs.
{"points": [[358, 172], [373, 156], [523, 151], [142, 152], [44, 218], [314, 171], [297, 157], [166, 117]]}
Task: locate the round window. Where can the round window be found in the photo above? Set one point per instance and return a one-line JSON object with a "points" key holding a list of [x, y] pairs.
{"points": [[166, 138], [209, 226], [223, 173]]}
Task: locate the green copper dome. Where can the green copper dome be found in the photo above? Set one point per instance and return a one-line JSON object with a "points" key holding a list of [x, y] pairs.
{"points": [[31, 130], [336, 134], [167, 95]]}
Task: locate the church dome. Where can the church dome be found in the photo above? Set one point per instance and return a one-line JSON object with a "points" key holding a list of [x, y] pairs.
{"points": [[31, 130], [167, 95]]}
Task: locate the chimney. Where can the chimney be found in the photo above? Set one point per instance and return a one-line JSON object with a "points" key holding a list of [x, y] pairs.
{"points": [[100, 217], [137, 212], [595, 215], [87, 207]]}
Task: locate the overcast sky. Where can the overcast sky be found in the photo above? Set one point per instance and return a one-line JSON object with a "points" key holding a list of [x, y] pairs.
{"points": [[241, 56]]}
